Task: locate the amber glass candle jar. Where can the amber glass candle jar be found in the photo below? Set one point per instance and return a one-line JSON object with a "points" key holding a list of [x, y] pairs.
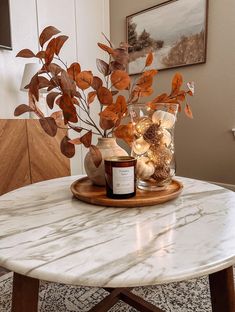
{"points": [[120, 176]]}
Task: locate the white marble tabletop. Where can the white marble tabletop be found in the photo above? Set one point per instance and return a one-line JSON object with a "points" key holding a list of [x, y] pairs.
{"points": [[47, 234]]}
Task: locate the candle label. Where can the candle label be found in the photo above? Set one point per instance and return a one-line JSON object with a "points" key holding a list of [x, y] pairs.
{"points": [[123, 180]]}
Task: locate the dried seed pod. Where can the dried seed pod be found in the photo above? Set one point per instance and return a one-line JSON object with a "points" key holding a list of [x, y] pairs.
{"points": [[160, 155], [142, 125], [153, 134], [161, 174]]}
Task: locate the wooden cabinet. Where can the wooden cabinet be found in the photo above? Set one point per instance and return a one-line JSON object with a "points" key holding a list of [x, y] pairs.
{"points": [[14, 156], [28, 154]]}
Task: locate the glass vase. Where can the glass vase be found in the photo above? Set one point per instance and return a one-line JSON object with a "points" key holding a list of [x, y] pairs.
{"points": [[153, 144]]}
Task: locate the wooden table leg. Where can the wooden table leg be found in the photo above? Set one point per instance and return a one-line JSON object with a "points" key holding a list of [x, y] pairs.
{"points": [[108, 302], [222, 291], [25, 294], [133, 300], [137, 302]]}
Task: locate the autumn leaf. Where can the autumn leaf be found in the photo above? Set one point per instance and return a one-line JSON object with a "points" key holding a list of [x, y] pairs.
{"points": [[96, 155], [96, 83], [151, 72], [91, 96], [59, 42], [121, 105], [105, 48], [144, 82], [120, 79], [67, 84], [114, 65], [111, 116], [125, 132], [76, 141], [121, 56], [69, 111], [149, 59], [102, 67], [188, 111], [86, 139], [34, 86], [75, 128], [25, 53], [49, 125], [58, 116], [40, 54], [108, 119], [50, 51], [181, 96], [54, 83], [177, 82], [174, 100], [75, 101], [55, 69], [84, 79], [43, 82], [143, 92], [47, 33], [105, 96], [146, 92], [73, 70], [32, 103], [160, 98], [51, 99], [21, 109], [67, 148]]}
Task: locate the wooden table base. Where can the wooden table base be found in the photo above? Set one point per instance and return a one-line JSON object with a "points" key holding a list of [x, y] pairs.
{"points": [[222, 291], [25, 295]]}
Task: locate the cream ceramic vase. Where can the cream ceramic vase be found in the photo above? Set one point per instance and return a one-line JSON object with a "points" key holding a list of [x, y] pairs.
{"points": [[108, 147]]}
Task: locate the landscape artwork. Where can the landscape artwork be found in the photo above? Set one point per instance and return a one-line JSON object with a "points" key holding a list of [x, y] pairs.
{"points": [[174, 31]]}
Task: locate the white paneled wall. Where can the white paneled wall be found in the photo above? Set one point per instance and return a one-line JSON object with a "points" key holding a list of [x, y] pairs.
{"points": [[61, 14], [89, 33], [82, 20], [24, 34]]}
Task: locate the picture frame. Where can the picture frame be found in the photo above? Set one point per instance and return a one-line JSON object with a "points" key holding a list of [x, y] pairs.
{"points": [[175, 31]]}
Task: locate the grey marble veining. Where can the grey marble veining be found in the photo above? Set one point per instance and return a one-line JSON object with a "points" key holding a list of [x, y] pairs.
{"points": [[47, 234]]}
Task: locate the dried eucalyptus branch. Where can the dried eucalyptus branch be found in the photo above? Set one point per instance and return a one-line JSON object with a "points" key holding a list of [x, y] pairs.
{"points": [[75, 90]]}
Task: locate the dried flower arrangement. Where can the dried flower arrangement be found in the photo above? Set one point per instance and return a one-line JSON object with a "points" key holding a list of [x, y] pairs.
{"points": [[74, 90]]}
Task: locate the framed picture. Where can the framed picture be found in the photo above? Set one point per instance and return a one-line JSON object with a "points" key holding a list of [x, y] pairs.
{"points": [[175, 31]]}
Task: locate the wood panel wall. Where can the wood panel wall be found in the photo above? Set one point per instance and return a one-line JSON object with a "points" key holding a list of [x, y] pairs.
{"points": [[46, 160], [14, 155], [28, 154]]}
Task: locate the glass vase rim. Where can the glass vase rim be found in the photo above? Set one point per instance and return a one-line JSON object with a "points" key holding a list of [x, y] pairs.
{"points": [[160, 103]]}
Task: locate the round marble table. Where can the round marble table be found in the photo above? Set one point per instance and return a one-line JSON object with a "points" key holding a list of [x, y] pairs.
{"points": [[47, 234]]}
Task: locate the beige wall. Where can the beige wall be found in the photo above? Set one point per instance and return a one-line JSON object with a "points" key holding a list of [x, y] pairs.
{"points": [[205, 146]]}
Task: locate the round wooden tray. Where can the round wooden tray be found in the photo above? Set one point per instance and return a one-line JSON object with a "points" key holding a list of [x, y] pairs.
{"points": [[84, 190]]}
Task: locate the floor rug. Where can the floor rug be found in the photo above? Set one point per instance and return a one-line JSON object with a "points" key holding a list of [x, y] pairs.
{"points": [[190, 296]]}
